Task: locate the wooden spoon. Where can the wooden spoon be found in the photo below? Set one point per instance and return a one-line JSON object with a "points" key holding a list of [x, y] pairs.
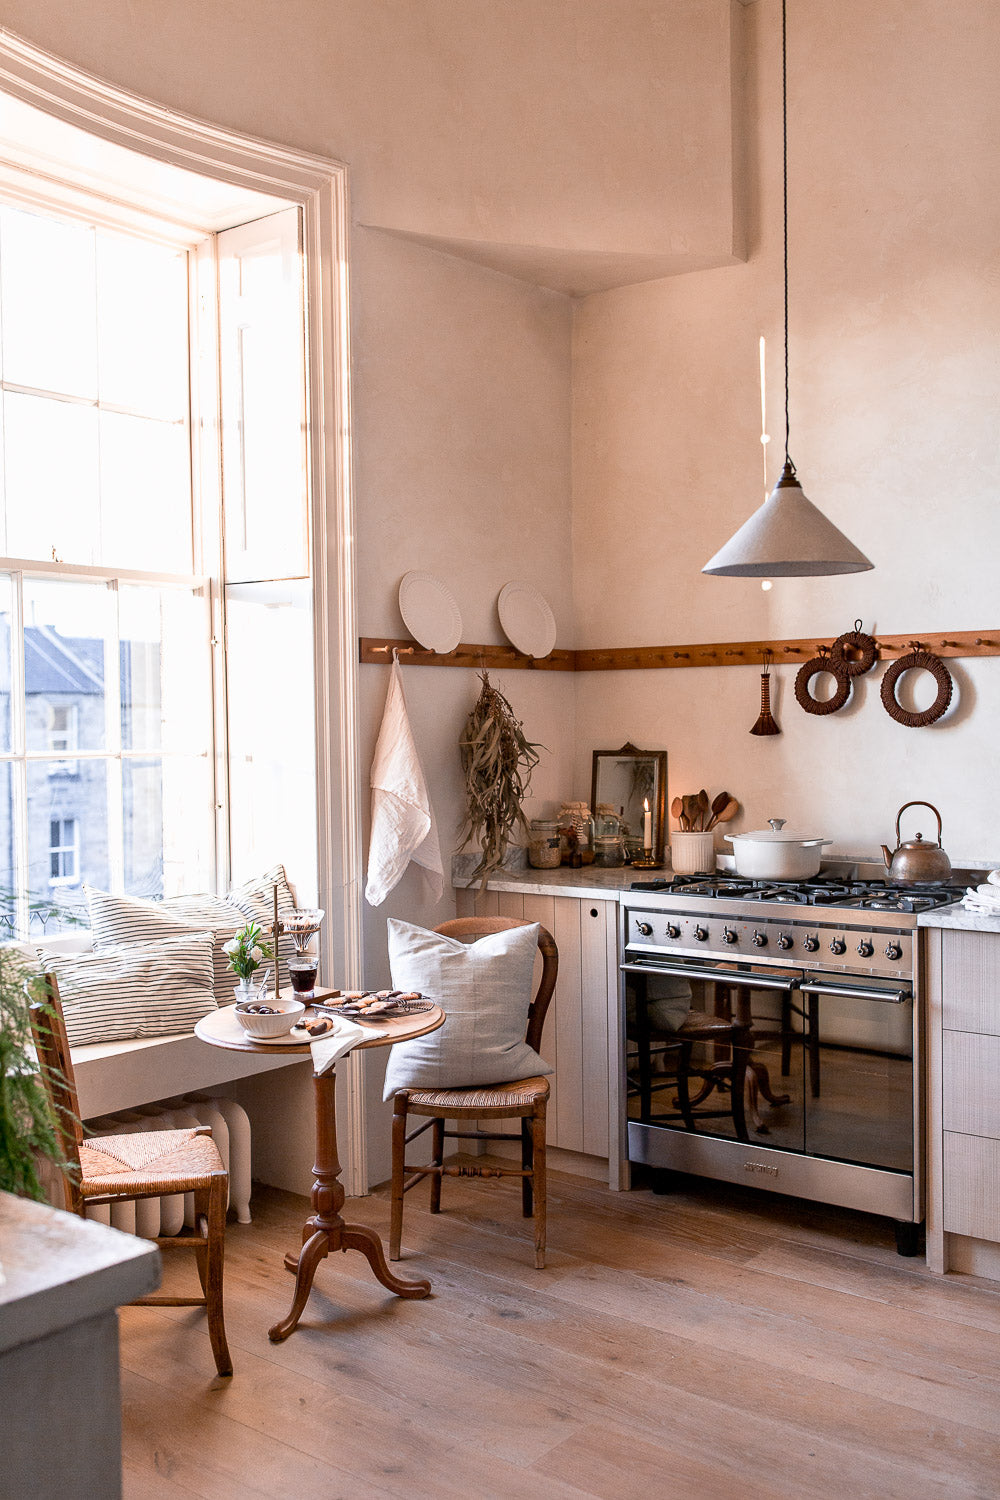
{"points": [[690, 810], [703, 809], [717, 805], [677, 811], [730, 810]]}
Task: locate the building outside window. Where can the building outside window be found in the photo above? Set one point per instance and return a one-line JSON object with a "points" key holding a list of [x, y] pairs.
{"points": [[64, 852]]}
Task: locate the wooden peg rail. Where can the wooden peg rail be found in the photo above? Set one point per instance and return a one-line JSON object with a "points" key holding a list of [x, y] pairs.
{"points": [[379, 650], [644, 658]]}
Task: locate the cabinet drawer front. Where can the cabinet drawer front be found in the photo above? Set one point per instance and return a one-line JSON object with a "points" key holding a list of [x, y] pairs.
{"points": [[971, 1000], [972, 1186], [971, 1065]]}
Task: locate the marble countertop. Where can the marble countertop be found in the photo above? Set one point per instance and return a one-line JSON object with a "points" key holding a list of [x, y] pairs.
{"points": [[57, 1269], [588, 882], [961, 917]]}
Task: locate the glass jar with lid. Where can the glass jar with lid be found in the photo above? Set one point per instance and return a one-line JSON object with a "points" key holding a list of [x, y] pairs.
{"points": [[543, 844], [576, 821]]}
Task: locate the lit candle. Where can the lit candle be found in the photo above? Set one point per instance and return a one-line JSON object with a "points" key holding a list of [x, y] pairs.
{"points": [[647, 826]]}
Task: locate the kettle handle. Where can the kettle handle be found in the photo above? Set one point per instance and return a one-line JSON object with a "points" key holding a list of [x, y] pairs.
{"points": [[918, 804]]}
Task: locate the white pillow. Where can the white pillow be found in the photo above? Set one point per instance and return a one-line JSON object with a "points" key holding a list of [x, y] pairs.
{"points": [[485, 989], [145, 989], [118, 920]]}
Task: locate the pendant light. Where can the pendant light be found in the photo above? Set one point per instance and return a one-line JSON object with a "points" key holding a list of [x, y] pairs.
{"points": [[787, 537]]}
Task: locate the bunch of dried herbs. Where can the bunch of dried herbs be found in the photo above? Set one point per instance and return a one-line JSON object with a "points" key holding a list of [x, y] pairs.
{"points": [[498, 761]]}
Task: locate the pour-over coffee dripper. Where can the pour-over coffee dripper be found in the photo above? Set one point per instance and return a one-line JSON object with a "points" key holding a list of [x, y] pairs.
{"points": [[301, 923]]}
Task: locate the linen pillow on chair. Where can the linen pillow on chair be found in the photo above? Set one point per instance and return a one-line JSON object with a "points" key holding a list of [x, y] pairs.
{"points": [[485, 989]]}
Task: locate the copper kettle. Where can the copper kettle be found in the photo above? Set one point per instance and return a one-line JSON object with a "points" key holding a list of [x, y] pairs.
{"points": [[917, 863]]}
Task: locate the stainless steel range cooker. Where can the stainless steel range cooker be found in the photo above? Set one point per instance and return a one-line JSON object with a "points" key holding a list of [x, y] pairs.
{"points": [[773, 1037]]}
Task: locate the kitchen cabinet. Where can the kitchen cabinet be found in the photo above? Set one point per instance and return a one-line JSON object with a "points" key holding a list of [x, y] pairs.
{"points": [[963, 1118], [580, 1030]]}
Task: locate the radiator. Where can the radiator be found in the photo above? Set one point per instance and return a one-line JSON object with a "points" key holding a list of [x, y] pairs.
{"points": [[230, 1124]]}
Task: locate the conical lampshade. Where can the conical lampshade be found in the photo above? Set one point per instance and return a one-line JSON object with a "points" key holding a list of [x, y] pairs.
{"points": [[787, 538]]}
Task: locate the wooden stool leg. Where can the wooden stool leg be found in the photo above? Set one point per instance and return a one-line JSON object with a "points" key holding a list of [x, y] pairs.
{"points": [[538, 1175], [398, 1174], [437, 1157], [215, 1258]]}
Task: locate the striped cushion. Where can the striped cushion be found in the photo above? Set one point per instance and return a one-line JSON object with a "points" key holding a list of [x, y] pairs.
{"points": [[146, 989], [118, 920], [256, 899]]}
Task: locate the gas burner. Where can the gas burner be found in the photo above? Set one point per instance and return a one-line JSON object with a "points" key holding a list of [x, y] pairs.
{"points": [[823, 890]]}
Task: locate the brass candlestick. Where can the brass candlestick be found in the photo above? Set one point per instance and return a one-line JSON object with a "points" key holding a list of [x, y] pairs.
{"points": [[275, 933]]}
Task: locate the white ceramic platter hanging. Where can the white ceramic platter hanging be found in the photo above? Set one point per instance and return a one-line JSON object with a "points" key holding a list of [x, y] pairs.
{"points": [[527, 620], [429, 612]]}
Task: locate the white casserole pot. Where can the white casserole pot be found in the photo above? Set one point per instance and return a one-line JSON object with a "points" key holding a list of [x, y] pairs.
{"points": [[776, 854]]}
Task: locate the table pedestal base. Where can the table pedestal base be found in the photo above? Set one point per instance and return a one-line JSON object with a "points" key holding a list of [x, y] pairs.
{"points": [[325, 1230]]}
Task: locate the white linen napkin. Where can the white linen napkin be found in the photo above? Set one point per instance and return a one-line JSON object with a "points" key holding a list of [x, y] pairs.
{"points": [[403, 826], [334, 1044], [985, 897]]}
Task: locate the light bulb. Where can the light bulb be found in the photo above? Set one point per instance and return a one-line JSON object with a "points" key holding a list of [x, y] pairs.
{"points": [[766, 584]]}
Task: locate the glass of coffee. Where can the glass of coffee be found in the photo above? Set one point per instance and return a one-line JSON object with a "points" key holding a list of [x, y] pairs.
{"points": [[302, 968]]}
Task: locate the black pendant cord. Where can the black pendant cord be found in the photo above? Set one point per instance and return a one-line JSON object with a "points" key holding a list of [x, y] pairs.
{"points": [[789, 466]]}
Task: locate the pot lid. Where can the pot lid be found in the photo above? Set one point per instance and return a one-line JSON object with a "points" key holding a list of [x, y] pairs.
{"points": [[777, 835]]}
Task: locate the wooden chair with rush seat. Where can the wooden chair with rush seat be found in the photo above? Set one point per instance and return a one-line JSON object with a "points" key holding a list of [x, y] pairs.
{"points": [[524, 1100], [144, 1164]]}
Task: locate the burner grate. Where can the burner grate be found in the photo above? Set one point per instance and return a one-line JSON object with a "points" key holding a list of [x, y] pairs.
{"points": [[858, 895]]}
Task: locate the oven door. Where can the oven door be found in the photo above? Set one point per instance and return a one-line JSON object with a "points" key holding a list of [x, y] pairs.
{"points": [[860, 1043], [689, 1025]]}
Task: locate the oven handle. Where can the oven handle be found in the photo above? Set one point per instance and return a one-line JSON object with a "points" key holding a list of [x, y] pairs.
{"points": [[889, 997], [716, 976]]}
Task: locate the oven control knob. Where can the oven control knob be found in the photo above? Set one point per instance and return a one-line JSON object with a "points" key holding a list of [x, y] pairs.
{"points": [[811, 944], [673, 931], [784, 941], [728, 935], [865, 948], [701, 934], [838, 946], [893, 951], [759, 939], [645, 929]]}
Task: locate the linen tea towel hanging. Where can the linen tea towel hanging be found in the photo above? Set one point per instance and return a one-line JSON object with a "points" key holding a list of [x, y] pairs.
{"points": [[403, 825]]}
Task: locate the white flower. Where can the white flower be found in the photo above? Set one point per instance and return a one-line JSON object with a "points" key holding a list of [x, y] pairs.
{"points": [[256, 954], [231, 946]]}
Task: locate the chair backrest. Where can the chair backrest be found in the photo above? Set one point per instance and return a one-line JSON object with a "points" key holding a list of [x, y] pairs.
{"points": [[48, 1029], [469, 929]]}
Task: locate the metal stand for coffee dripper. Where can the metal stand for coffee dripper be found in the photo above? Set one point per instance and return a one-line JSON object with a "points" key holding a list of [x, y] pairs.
{"points": [[302, 923]]}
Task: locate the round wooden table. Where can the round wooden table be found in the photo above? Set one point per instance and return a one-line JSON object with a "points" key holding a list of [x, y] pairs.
{"points": [[325, 1230]]}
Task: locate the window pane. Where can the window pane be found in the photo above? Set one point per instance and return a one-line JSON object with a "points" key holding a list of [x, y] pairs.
{"points": [[145, 494], [65, 629], [6, 617], [8, 875], [165, 670], [48, 285], [142, 821], [67, 842], [142, 297], [51, 472]]}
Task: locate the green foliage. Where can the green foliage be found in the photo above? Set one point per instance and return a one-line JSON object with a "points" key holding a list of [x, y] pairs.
{"points": [[498, 761], [247, 950], [27, 1129]]}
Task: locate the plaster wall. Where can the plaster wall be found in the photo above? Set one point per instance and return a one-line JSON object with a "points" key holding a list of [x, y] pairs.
{"points": [[894, 215]]}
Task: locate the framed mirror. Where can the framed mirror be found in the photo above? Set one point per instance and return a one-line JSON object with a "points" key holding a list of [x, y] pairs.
{"points": [[627, 779]]}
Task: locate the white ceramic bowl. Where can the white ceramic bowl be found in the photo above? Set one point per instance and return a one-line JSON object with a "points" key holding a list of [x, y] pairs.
{"points": [[283, 1017]]}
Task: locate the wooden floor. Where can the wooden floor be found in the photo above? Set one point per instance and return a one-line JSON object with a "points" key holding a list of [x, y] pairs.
{"points": [[710, 1343]]}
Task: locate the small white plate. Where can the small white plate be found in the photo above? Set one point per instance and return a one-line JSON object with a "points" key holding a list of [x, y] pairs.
{"points": [[224, 1027], [429, 612], [527, 620]]}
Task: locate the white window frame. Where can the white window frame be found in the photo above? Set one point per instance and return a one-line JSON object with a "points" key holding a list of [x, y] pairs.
{"points": [[320, 187]]}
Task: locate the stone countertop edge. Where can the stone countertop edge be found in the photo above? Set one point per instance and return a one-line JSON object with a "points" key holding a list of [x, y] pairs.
{"points": [[588, 882], [57, 1269], [961, 918]]}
